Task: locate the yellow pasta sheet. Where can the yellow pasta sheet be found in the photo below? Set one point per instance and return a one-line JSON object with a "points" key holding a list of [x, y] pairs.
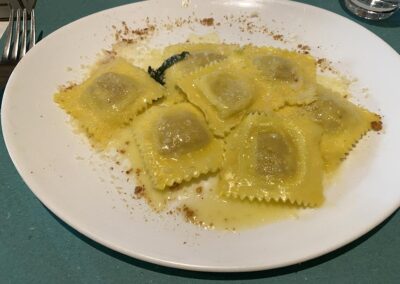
{"points": [[176, 144], [272, 157], [343, 124], [109, 99], [225, 91], [287, 74], [173, 95], [200, 55]]}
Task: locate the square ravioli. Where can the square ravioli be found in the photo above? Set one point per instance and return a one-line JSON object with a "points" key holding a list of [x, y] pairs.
{"points": [[343, 124], [200, 55], [225, 91], [288, 74], [176, 144], [271, 157], [114, 93]]}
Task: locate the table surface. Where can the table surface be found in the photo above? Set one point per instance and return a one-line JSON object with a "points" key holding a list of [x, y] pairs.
{"points": [[37, 247]]}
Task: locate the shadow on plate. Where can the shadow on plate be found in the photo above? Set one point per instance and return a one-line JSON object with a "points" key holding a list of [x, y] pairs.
{"points": [[391, 22], [225, 276]]}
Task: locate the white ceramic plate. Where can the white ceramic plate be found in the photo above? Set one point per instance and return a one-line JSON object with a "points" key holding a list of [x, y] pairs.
{"points": [[73, 182]]}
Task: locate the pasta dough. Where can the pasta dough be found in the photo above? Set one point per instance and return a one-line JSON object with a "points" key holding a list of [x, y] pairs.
{"points": [[200, 55], [343, 124], [176, 144], [287, 74], [109, 99], [272, 157], [225, 91], [173, 95]]}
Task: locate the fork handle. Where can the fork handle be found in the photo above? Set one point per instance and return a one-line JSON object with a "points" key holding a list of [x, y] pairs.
{"points": [[5, 72]]}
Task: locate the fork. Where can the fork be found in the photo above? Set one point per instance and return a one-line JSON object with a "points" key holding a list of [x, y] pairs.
{"points": [[14, 32]]}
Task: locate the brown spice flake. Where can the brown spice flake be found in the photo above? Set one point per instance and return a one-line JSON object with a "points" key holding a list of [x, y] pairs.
{"points": [[325, 65], [130, 36], [137, 172], [129, 171], [199, 190], [68, 86], [376, 125], [207, 21], [145, 31], [139, 191], [125, 28], [128, 41], [188, 213], [303, 48]]}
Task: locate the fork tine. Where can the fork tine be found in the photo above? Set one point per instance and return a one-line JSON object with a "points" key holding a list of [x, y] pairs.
{"points": [[24, 36], [14, 55], [7, 46], [32, 35]]}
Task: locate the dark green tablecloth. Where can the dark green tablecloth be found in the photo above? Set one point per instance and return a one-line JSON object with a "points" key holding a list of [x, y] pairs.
{"points": [[37, 247]]}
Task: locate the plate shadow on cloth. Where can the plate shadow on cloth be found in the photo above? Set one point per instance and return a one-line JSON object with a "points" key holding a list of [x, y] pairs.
{"points": [[224, 276]]}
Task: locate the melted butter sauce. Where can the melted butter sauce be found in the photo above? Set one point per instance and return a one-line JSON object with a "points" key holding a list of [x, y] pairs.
{"points": [[198, 201], [213, 211]]}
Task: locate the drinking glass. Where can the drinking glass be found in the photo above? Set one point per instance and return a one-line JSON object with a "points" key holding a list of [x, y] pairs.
{"points": [[373, 9]]}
